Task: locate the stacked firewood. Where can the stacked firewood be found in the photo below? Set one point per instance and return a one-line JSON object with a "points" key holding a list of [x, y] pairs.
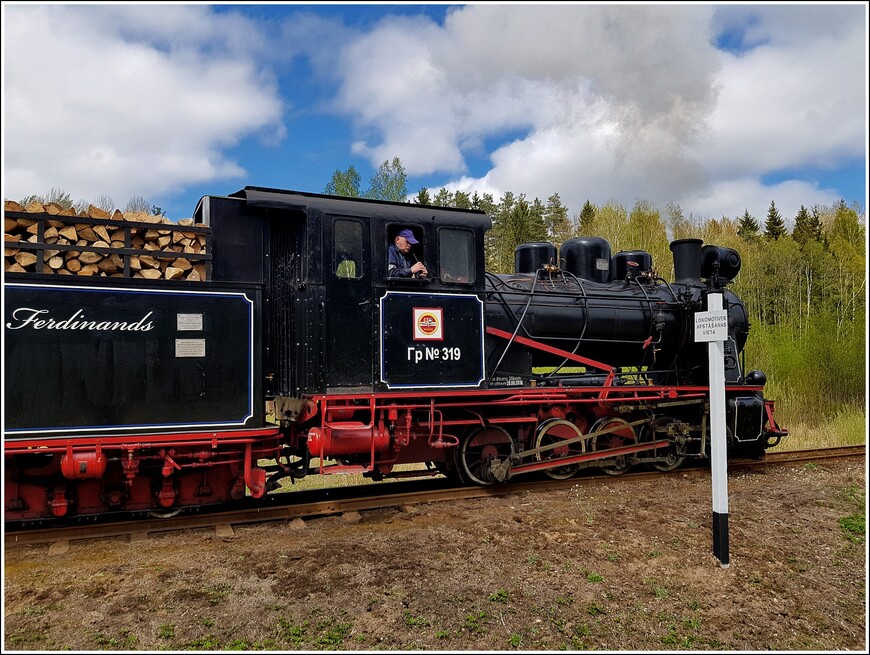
{"points": [[54, 240]]}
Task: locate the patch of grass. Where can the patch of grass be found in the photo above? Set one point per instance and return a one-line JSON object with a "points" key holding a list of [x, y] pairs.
{"points": [[101, 638], [166, 631], [332, 633], [218, 593], [594, 610], [592, 576], [799, 565], [854, 525], [293, 634], [653, 554], [414, 621], [474, 623], [533, 559], [577, 642], [691, 622], [500, 596], [442, 634], [847, 427], [515, 640], [660, 591], [673, 638], [26, 636], [242, 644], [208, 642]]}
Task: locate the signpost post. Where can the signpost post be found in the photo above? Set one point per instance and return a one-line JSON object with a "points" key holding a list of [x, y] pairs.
{"points": [[712, 327]]}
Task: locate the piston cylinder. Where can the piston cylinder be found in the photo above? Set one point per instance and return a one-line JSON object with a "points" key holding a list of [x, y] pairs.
{"points": [[346, 438]]}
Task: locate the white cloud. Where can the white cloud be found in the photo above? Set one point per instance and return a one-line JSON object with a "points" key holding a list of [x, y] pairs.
{"points": [[128, 100], [789, 107], [732, 197], [616, 102]]}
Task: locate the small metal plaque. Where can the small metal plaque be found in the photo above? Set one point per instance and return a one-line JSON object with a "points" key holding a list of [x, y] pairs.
{"points": [[190, 347], [189, 322]]}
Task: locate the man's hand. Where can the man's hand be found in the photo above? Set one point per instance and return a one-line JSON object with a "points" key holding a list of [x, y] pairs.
{"points": [[418, 270]]}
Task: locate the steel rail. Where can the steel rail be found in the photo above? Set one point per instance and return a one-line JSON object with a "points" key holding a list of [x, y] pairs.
{"points": [[287, 512]]}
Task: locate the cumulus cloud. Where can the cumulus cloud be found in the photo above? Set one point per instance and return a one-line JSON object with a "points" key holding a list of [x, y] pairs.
{"points": [[615, 102], [129, 100]]}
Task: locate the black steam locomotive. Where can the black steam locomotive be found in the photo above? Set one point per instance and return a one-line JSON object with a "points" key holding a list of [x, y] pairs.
{"points": [[298, 354]]}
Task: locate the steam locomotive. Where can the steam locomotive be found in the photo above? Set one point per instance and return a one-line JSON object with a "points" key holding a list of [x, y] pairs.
{"points": [[299, 355]]}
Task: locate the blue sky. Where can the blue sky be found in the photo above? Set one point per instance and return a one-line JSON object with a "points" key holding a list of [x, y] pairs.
{"points": [[717, 108]]}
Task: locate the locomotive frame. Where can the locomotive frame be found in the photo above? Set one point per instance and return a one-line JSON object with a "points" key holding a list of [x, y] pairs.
{"points": [[555, 368]]}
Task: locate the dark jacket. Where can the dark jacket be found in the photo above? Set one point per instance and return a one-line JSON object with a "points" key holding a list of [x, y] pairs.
{"points": [[398, 263]]}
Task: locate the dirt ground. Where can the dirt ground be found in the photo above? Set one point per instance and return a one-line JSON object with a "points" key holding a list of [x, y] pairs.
{"points": [[622, 565]]}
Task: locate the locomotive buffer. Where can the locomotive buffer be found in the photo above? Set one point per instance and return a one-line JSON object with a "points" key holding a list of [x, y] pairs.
{"points": [[712, 327]]}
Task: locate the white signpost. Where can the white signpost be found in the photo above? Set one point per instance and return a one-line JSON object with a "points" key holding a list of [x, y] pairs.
{"points": [[712, 327]]}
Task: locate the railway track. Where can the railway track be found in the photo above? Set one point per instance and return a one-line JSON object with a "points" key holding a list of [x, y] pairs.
{"points": [[342, 500]]}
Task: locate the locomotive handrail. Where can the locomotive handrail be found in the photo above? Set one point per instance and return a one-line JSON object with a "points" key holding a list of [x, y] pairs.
{"points": [[555, 351]]}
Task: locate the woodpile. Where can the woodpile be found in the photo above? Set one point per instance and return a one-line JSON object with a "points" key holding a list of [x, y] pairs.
{"points": [[52, 240]]}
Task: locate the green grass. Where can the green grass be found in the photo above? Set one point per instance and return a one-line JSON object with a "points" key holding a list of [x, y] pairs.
{"points": [[855, 525], [848, 427]]}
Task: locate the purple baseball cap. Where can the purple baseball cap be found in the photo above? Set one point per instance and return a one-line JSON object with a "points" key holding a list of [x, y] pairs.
{"points": [[409, 236]]}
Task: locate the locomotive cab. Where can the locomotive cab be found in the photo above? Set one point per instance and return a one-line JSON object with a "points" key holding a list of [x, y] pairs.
{"points": [[336, 321]]}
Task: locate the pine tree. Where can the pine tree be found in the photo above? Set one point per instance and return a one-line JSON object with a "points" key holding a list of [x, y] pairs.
{"points": [[423, 197], [774, 227], [807, 227], [816, 224], [748, 229], [485, 203], [556, 219], [587, 217], [443, 198], [461, 200]]}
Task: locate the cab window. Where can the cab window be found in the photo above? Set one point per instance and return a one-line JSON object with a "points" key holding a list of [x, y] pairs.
{"points": [[347, 249], [456, 256]]}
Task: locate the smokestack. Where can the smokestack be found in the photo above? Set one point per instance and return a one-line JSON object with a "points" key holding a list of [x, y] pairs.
{"points": [[687, 261]]}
